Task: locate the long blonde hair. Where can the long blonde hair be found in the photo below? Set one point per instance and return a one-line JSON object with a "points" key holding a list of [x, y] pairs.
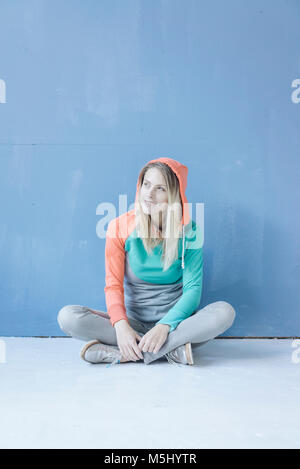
{"points": [[147, 231]]}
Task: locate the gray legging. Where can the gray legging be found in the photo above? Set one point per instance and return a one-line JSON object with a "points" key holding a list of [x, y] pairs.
{"points": [[85, 323]]}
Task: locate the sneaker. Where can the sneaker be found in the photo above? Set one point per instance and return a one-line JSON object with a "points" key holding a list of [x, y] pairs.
{"points": [[96, 352], [182, 355]]}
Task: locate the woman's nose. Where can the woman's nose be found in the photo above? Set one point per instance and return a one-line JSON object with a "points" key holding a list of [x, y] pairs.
{"points": [[151, 194]]}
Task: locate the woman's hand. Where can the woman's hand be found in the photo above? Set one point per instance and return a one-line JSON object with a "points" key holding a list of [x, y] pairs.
{"points": [[126, 338], [155, 338]]}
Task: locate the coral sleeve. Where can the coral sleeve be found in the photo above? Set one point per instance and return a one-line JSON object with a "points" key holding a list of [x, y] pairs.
{"points": [[114, 273]]}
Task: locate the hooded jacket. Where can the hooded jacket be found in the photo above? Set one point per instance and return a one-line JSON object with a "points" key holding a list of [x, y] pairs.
{"points": [[150, 294]]}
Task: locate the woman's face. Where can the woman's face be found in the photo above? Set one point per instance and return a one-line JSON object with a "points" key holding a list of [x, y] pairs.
{"points": [[153, 194]]}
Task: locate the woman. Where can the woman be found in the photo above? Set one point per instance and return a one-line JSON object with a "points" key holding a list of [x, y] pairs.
{"points": [[155, 252]]}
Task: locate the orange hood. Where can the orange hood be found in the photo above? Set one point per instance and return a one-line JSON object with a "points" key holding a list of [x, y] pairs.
{"points": [[181, 172]]}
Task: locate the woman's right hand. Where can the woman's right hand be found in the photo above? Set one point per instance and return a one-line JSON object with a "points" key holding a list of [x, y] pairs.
{"points": [[127, 341]]}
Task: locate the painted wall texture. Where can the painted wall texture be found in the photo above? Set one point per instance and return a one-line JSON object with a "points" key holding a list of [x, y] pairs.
{"points": [[90, 91]]}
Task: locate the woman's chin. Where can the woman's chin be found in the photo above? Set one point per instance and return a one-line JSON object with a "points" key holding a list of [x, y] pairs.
{"points": [[146, 210]]}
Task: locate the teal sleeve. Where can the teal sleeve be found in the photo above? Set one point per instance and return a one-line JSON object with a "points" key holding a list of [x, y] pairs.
{"points": [[192, 289]]}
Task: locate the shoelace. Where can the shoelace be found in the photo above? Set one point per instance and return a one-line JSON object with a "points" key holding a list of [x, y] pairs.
{"points": [[113, 356], [173, 357], [114, 362], [170, 360]]}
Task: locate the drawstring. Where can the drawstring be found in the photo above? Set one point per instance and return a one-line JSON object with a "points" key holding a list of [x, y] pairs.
{"points": [[183, 237]]}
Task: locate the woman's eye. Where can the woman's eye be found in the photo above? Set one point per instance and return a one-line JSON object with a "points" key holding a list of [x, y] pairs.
{"points": [[160, 188]]}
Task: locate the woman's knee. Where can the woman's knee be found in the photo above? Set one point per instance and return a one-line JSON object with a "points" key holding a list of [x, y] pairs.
{"points": [[227, 312], [66, 317]]}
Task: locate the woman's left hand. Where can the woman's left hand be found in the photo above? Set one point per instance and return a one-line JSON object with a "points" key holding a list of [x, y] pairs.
{"points": [[154, 339]]}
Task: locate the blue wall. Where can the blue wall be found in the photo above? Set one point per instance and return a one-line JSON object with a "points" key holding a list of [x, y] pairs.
{"points": [[95, 89]]}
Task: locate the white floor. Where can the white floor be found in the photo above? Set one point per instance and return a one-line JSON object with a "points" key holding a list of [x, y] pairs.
{"points": [[241, 393]]}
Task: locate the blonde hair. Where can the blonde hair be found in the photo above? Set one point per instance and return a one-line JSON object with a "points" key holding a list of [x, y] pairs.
{"points": [[147, 231]]}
